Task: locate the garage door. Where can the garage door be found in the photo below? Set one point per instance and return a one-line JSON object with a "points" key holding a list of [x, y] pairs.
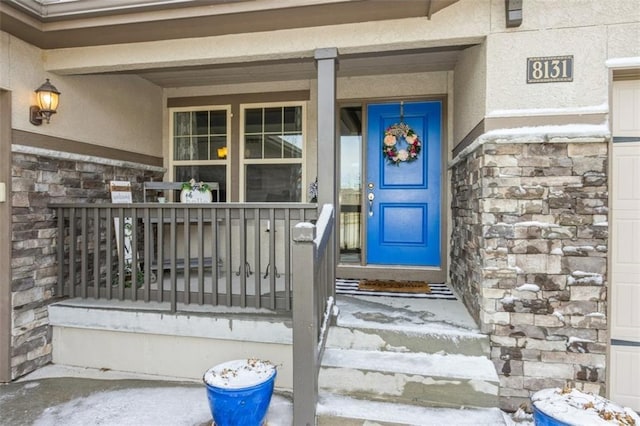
{"points": [[624, 361]]}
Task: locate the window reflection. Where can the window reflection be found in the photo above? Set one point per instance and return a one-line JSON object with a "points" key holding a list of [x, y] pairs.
{"points": [[350, 184]]}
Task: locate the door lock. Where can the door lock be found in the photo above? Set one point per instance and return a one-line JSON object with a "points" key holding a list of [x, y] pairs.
{"points": [[371, 196]]}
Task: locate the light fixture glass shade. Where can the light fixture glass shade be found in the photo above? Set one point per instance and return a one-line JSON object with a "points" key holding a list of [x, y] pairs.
{"points": [[47, 97], [48, 101]]}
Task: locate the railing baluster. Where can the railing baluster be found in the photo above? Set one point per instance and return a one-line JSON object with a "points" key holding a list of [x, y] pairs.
{"points": [[146, 255], [61, 246], [229, 269], [200, 257], [187, 257], [72, 252], [243, 271], [173, 284], [84, 251], [287, 259], [160, 254], [121, 253], [272, 259], [109, 252], [257, 250], [96, 252], [214, 256], [134, 254]]}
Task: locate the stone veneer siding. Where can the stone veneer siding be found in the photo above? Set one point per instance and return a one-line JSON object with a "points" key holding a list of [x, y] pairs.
{"points": [[529, 258], [40, 177]]}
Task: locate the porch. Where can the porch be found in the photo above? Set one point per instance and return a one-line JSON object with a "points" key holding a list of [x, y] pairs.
{"points": [[221, 289], [437, 336], [174, 312]]}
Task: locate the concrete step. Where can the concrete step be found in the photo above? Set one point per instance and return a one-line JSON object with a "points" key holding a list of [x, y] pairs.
{"points": [[426, 340], [142, 337], [436, 380], [345, 411]]}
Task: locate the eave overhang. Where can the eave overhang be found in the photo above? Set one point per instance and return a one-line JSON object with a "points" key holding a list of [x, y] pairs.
{"points": [[50, 24]]}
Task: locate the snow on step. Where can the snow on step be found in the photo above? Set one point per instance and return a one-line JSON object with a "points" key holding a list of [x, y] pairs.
{"points": [[334, 406], [438, 365]]}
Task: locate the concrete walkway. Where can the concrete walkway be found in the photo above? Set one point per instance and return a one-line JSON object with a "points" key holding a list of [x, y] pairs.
{"points": [[68, 396]]}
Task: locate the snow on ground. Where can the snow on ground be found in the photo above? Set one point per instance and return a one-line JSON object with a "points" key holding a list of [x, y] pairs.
{"points": [[173, 406], [337, 406], [176, 405]]}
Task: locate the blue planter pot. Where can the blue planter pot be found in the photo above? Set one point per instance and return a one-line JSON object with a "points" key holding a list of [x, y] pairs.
{"points": [[572, 407], [542, 419], [246, 406]]}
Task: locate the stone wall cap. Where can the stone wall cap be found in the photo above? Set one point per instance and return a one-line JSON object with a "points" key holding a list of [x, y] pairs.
{"points": [[574, 133]]}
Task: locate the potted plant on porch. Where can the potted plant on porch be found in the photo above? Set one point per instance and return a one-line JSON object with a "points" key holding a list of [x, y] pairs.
{"points": [[569, 406], [239, 391], [195, 192]]}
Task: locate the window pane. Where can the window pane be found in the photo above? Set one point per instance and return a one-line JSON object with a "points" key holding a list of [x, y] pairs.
{"points": [[201, 122], [253, 147], [273, 120], [293, 119], [272, 146], [182, 149], [182, 123], [273, 182], [350, 184], [202, 145], [253, 120], [204, 174], [292, 146], [218, 122]]}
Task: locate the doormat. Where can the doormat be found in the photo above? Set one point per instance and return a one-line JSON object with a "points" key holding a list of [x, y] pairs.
{"points": [[395, 286], [352, 288]]}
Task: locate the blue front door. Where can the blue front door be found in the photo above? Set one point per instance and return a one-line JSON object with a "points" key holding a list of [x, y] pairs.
{"points": [[403, 197]]}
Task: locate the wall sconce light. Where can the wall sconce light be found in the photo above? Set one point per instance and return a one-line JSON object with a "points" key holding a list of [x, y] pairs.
{"points": [[513, 13], [47, 97], [222, 153]]}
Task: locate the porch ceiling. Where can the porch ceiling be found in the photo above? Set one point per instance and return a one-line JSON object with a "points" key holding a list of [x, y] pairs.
{"points": [[51, 24], [407, 61]]}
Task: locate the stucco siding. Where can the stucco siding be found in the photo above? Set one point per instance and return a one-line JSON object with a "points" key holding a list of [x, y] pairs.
{"points": [[392, 85], [4, 60], [470, 90], [465, 22], [541, 14], [507, 55], [620, 41], [118, 111]]}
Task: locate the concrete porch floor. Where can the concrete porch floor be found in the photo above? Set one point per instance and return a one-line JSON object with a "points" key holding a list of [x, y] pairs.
{"points": [[405, 314]]}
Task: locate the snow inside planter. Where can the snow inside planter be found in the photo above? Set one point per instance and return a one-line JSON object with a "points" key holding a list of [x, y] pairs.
{"points": [[239, 391], [569, 407]]}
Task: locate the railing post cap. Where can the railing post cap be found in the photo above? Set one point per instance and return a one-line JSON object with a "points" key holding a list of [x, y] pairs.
{"points": [[304, 232]]}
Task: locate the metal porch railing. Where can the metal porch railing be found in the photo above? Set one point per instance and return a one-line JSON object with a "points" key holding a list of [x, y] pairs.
{"points": [[231, 254], [272, 256]]}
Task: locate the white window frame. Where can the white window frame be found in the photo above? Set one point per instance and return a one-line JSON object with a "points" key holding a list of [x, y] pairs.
{"points": [[226, 162], [246, 161]]}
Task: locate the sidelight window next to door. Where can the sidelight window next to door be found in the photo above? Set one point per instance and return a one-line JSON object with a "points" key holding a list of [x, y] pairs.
{"points": [[350, 184]]}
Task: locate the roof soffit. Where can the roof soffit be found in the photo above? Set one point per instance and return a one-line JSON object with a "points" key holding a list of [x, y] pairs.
{"points": [[172, 19]]}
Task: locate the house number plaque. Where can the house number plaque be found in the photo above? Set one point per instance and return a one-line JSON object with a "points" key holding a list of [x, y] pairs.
{"points": [[550, 69]]}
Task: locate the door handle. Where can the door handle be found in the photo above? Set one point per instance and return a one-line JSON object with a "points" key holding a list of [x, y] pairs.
{"points": [[371, 196]]}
